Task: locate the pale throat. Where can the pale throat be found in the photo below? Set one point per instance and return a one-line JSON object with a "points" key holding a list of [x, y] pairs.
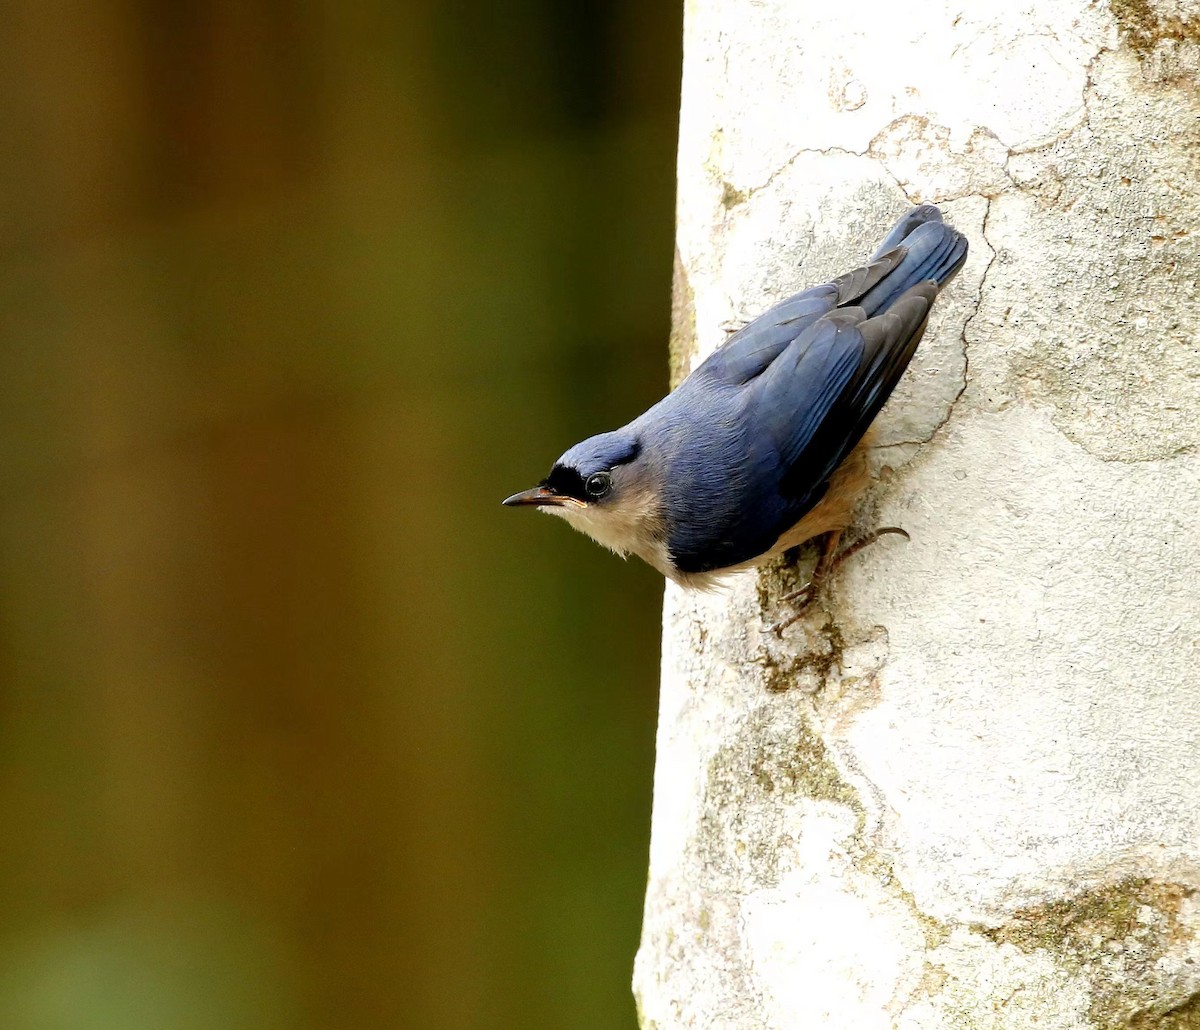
{"points": [[633, 527]]}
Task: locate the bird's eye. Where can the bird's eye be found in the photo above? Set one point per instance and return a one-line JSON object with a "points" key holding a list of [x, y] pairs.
{"points": [[598, 485]]}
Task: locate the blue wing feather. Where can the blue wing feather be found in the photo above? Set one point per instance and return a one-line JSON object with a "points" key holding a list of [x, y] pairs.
{"points": [[795, 396], [750, 350], [790, 395]]}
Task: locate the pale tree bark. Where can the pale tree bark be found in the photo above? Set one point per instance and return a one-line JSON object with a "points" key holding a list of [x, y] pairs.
{"points": [[965, 791]]}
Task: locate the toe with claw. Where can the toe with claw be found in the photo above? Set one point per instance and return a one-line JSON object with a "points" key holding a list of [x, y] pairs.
{"points": [[829, 561]]}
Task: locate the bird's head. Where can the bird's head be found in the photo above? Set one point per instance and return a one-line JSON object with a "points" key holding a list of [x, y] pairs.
{"points": [[607, 488]]}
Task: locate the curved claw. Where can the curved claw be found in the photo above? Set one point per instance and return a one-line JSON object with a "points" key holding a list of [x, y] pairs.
{"points": [[828, 562], [809, 594], [866, 541]]}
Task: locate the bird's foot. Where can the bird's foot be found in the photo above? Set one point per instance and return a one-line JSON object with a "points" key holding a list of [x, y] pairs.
{"points": [[803, 598], [866, 541]]}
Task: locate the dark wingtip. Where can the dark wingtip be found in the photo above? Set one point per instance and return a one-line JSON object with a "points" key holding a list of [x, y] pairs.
{"points": [[931, 250], [911, 220]]}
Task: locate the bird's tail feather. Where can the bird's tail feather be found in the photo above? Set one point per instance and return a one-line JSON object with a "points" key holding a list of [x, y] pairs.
{"points": [[930, 250], [910, 220]]}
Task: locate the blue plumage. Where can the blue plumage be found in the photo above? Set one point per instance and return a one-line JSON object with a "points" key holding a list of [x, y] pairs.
{"points": [[717, 473]]}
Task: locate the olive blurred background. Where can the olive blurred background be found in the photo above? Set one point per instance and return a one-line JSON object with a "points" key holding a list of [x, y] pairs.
{"points": [[298, 727]]}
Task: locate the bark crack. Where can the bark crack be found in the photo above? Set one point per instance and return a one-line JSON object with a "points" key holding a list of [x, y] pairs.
{"points": [[966, 343], [769, 181], [966, 348]]}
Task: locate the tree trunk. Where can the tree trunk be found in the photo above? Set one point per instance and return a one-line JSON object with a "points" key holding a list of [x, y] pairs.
{"points": [[964, 790]]}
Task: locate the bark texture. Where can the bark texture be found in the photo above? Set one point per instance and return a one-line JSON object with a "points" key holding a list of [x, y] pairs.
{"points": [[964, 791]]}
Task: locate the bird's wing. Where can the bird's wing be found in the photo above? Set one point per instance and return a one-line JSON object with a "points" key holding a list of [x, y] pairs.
{"points": [[908, 223], [749, 351], [920, 246], [817, 399]]}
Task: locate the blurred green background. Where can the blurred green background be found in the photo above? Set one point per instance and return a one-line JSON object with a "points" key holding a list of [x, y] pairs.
{"points": [[298, 727]]}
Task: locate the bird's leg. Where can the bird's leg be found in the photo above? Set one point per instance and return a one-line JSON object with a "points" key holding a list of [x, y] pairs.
{"points": [[805, 596], [830, 559]]}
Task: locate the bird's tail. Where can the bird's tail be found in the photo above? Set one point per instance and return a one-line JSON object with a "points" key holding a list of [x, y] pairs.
{"points": [[920, 247]]}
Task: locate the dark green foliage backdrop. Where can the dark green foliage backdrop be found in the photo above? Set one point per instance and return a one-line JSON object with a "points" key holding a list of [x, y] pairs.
{"points": [[298, 726]]}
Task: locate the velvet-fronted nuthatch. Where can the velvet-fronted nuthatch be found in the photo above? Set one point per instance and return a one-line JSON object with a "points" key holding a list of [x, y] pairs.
{"points": [[761, 449]]}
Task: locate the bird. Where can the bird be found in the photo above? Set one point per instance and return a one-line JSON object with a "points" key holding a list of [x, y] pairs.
{"points": [[762, 447]]}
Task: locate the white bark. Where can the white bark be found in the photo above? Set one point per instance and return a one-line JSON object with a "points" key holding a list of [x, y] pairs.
{"points": [[966, 792]]}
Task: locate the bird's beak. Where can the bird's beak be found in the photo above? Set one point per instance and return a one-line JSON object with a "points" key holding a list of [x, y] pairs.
{"points": [[539, 496]]}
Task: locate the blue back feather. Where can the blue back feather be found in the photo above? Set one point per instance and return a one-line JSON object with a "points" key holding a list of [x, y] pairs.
{"points": [[749, 441]]}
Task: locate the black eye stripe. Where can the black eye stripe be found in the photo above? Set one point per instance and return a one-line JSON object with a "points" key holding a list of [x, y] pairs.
{"points": [[570, 482], [567, 481], [588, 476]]}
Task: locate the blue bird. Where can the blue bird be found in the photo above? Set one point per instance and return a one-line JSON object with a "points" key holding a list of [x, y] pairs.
{"points": [[758, 450]]}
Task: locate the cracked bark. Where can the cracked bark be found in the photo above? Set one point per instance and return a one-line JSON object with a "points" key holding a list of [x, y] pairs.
{"points": [[965, 791]]}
